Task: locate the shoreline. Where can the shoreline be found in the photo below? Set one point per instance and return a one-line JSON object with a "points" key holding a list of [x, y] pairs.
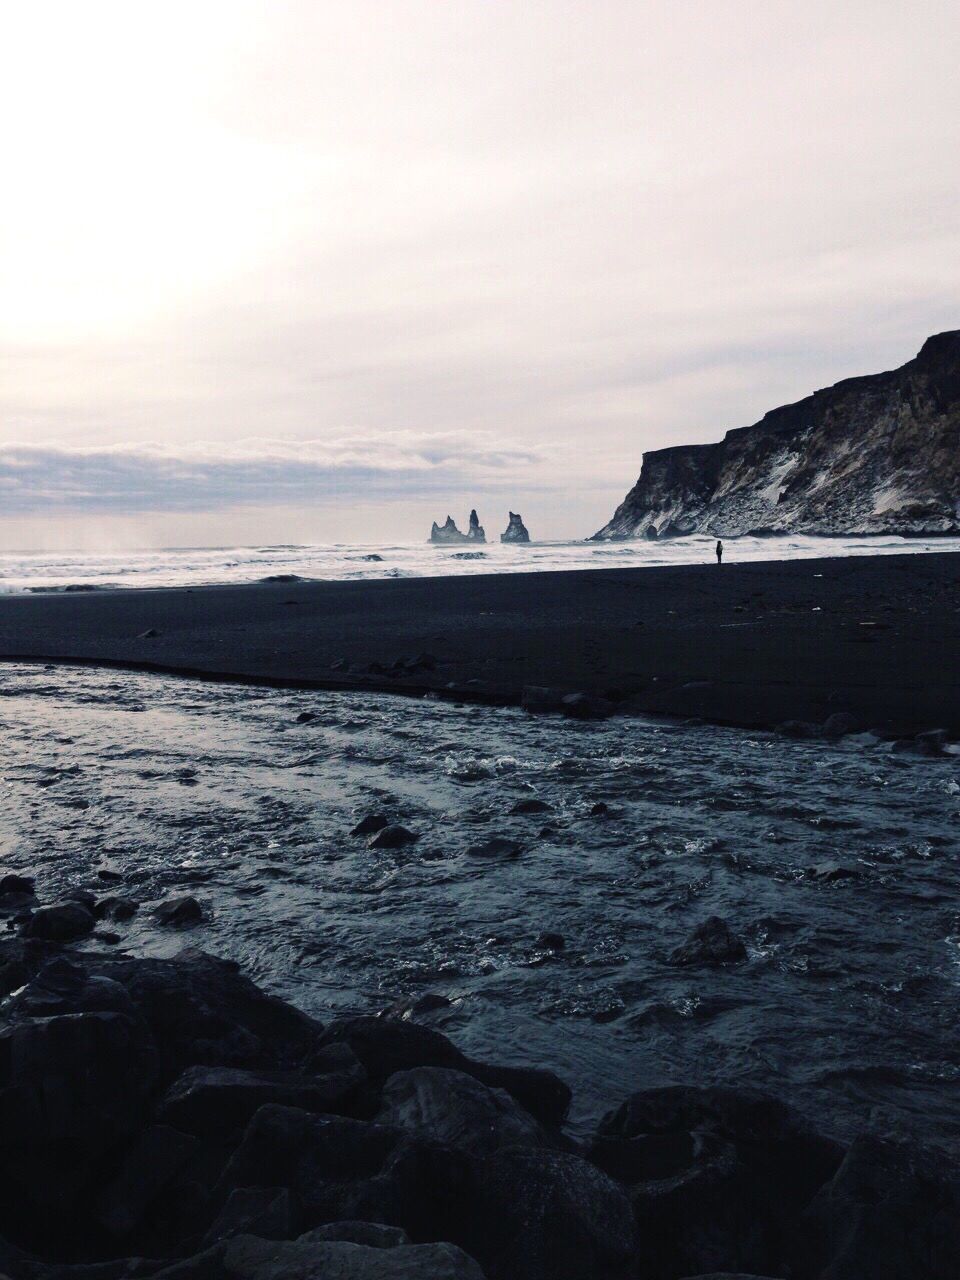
{"points": [[751, 645]]}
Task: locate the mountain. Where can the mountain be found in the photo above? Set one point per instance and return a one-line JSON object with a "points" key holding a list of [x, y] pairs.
{"points": [[877, 454]]}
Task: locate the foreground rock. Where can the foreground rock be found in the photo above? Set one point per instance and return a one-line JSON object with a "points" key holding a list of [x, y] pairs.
{"points": [[167, 1118]]}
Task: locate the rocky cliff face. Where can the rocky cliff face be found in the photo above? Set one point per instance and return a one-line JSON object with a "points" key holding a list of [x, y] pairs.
{"points": [[878, 454], [516, 530], [448, 532]]}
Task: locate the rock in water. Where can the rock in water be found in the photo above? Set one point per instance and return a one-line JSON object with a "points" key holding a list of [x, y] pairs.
{"points": [[878, 454], [516, 530], [712, 942], [448, 531]]}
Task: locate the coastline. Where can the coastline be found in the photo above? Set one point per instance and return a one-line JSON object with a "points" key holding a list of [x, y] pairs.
{"points": [[752, 644]]}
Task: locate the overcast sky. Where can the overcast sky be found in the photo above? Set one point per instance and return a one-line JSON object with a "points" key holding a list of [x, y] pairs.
{"points": [[287, 271]]}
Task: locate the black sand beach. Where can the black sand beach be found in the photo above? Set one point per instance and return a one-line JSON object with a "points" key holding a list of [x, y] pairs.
{"points": [[751, 644]]}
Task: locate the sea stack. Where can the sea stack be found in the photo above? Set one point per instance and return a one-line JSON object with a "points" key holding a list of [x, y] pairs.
{"points": [[872, 455], [449, 533], [516, 530]]}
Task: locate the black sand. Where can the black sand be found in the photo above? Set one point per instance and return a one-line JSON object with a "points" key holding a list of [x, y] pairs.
{"points": [[745, 644]]}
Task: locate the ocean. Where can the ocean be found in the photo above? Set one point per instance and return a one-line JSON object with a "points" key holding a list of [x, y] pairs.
{"points": [[196, 566]]}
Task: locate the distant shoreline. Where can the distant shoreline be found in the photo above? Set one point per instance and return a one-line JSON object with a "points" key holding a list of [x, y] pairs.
{"points": [[750, 644]]}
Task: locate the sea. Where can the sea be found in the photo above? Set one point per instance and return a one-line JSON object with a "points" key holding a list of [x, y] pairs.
{"points": [[836, 863], [195, 566]]}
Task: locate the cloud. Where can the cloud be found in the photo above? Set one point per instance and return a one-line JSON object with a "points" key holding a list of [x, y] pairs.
{"points": [[134, 478]]}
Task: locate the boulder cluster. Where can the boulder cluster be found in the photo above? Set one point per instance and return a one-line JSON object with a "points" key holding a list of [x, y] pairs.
{"points": [[167, 1118]]}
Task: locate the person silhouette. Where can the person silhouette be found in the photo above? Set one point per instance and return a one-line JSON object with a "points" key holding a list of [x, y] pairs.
{"points": [[719, 552]]}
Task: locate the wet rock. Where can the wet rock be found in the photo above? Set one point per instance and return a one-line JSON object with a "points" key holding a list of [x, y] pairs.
{"points": [[65, 922], [370, 825], [840, 724], [541, 699], [12, 885], [600, 810], [215, 1101], [531, 806], [387, 1045], [548, 1215], [150, 1166], [249, 1258], [305, 717], [932, 742], [116, 908], [267, 1212], [798, 729], [429, 1002], [109, 875], [456, 1109], [495, 847], [712, 942], [550, 941], [586, 706], [179, 913], [392, 837], [830, 872], [890, 1211]]}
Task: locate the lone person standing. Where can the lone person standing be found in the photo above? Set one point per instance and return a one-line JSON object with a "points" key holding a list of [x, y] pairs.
{"points": [[719, 552]]}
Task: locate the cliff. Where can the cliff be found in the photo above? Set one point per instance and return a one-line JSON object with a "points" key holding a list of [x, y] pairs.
{"points": [[876, 454]]}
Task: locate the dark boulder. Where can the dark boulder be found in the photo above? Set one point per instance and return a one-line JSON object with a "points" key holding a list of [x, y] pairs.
{"points": [[712, 942], [387, 1045], [456, 1109], [73, 1090], [717, 1176], [531, 806], [249, 1258], [336, 1168], [16, 886], [392, 837], [116, 908], [151, 1165], [217, 1101], [179, 913], [497, 847], [65, 922], [268, 1212], [890, 1212], [548, 1215], [202, 1010], [370, 825]]}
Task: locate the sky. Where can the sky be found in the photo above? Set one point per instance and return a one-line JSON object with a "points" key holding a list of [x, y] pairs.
{"points": [[301, 270]]}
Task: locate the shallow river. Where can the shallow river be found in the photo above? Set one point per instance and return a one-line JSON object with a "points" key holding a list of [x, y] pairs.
{"points": [[848, 1003]]}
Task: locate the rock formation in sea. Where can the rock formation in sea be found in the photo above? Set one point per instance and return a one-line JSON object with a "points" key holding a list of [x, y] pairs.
{"points": [[516, 530], [876, 454], [448, 531]]}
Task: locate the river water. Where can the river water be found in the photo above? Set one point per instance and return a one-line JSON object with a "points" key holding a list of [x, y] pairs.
{"points": [[837, 864]]}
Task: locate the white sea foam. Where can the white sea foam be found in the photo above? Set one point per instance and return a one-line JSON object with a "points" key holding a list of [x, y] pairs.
{"points": [[194, 566]]}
